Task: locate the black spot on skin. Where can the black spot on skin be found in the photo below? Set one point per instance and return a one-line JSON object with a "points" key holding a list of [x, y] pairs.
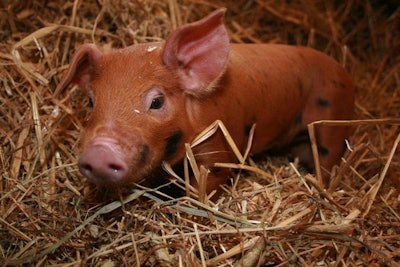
{"points": [[90, 103], [172, 143], [338, 84], [215, 170], [238, 101], [253, 80], [143, 154], [247, 129], [344, 147], [300, 138], [301, 54], [323, 151], [298, 120], [322, 102], [300, 85], [265, 78]]}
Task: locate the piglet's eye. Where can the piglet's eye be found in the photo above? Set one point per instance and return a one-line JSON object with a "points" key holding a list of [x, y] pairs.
{"points": [[157, 102]]}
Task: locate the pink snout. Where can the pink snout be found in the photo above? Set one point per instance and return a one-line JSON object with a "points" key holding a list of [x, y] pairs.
{"points": [[103, 162]]}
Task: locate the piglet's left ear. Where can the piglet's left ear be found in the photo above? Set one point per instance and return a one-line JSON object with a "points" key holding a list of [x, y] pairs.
{"points": [[198, 52], [81, 69]]}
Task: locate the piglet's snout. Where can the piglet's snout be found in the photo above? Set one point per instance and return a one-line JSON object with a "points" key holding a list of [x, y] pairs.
{"points": [[103, 162]]}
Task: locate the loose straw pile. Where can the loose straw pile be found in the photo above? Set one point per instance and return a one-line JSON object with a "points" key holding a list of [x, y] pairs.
{"points": [[272, 214]]}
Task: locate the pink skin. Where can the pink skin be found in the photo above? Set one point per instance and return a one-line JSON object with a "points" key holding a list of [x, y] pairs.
{"points": [[103, 162], [150, 99]]}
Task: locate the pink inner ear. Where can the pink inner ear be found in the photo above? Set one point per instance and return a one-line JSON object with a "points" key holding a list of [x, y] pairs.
{"points": [[198, 52], [83, 79], [81, 67]]}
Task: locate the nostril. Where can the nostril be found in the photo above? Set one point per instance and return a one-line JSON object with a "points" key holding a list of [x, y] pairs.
{"points": [[115, 167], [87, 167]]}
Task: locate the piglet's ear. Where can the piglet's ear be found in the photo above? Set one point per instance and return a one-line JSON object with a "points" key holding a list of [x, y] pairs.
{"points": [[81, 67], [198, 52]]}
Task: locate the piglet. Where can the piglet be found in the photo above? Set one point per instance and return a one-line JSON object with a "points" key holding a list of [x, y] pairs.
{"points": [[149, 99]]}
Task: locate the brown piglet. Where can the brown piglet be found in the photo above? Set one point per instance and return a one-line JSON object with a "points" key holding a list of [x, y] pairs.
{"points": [[150, 99]]}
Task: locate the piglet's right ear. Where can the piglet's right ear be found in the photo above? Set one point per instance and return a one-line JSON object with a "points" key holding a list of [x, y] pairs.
{"points": [[198, 53], [81, 67]]}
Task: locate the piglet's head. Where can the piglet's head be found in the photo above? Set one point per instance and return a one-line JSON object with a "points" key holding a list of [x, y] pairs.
{"points": [[138, 94]]}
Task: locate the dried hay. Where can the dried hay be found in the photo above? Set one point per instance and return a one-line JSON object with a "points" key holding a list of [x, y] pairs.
{"points": [[273, 216]]}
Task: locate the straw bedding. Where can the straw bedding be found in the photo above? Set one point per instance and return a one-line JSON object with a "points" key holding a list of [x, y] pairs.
{"points": [[274, 215]]}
